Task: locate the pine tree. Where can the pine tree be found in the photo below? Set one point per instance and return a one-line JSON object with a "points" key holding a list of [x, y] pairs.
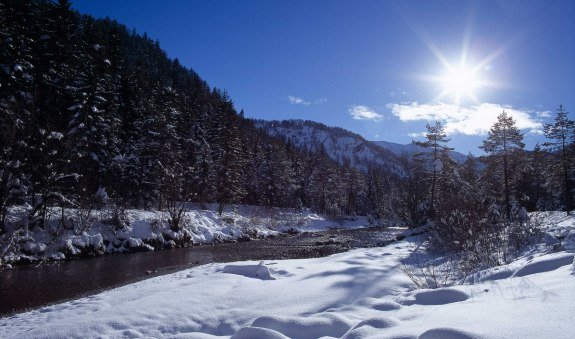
{"points": [[562, 134], [437, 159], [504, 144]]}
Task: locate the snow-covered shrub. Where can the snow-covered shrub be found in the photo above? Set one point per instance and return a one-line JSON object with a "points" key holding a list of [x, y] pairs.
{"points": [[82, 220], [478, 233], [520, 233], [429, 270], [101, 197], [117, 218], [461, 225]]}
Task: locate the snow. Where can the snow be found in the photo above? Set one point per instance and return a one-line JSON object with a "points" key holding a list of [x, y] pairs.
{"points": [[544, 264], [337, 144], [363, 293], [148, 230], [55, 135], [440, 296], [260, 271]]}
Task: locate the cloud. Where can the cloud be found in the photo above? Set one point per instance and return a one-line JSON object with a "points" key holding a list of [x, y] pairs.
{"points": [[300, 101], [417, 135], [543, 114], [360, 112], [468, 120]]}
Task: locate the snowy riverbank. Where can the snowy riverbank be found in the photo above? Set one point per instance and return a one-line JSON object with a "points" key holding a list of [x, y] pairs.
{"points": [[103, 231], [364, 293]]}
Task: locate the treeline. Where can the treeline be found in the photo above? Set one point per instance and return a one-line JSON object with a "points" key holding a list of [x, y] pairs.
{"points": [[93, 114], [507, 179], [479, 210]]}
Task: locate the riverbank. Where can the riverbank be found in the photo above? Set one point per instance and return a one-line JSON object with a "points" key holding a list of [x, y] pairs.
{"points": [[363, 293], [28, 287], [82, 234]]}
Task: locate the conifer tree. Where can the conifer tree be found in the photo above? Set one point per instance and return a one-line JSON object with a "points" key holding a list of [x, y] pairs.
{"points": [[504, 144], [562, 136], [437, 159]]}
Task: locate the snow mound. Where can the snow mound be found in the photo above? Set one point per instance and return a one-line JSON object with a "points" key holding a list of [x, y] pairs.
{"points": [[370, 327], [257, 332], [315, 326], [496, 273], [447, 333], [440, 296], [379, 305], [260, 271], [545, 264]]}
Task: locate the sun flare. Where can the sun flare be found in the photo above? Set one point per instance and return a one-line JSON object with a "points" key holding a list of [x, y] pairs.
{"points": [[460, 82]]}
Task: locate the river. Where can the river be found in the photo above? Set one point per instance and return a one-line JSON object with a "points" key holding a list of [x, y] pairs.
{"points": [[27, 287]]}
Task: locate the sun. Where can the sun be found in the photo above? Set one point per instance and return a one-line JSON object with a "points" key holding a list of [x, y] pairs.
{"points": [[460, 82]]}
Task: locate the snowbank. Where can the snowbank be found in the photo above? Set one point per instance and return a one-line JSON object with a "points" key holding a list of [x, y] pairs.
{"points": [[143, 230], [359, 294]]}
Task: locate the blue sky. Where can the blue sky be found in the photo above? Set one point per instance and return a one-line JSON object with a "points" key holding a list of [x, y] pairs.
{"points": [[377, 68]]}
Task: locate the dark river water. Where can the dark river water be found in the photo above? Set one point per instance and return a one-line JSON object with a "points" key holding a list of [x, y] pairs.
{"points": [[26, 287]]}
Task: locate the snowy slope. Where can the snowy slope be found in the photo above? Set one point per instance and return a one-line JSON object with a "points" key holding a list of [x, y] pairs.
{"points": [[339, 144], [359, 294]]}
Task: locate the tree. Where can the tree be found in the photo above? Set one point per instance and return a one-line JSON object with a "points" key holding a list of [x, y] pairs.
{"points": [[562, 135], [437, 158], [504, 141], [536, 180]]}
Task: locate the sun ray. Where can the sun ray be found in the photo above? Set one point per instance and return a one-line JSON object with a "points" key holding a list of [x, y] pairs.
{"points": [[463, 79]]}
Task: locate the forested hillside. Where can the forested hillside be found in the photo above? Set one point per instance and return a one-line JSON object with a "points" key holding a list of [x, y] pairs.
{"points": [[93, 114]]}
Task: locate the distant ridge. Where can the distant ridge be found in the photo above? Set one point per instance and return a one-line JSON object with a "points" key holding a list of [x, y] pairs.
{"points": [[339, 144], [410, 149], [344, 146]]}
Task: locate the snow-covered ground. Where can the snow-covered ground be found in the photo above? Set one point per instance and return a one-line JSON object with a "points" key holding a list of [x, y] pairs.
{"points": [[146, 230], [363, 293]]}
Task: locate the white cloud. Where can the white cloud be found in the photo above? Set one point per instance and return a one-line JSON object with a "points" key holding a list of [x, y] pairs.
{"points": [[468, 120], [417, 135], [360, 112], [300, 101]]}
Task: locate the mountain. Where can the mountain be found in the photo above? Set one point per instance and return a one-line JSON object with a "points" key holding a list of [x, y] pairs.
{"points": [[344, 146], [410, 149], [339, 144]]}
